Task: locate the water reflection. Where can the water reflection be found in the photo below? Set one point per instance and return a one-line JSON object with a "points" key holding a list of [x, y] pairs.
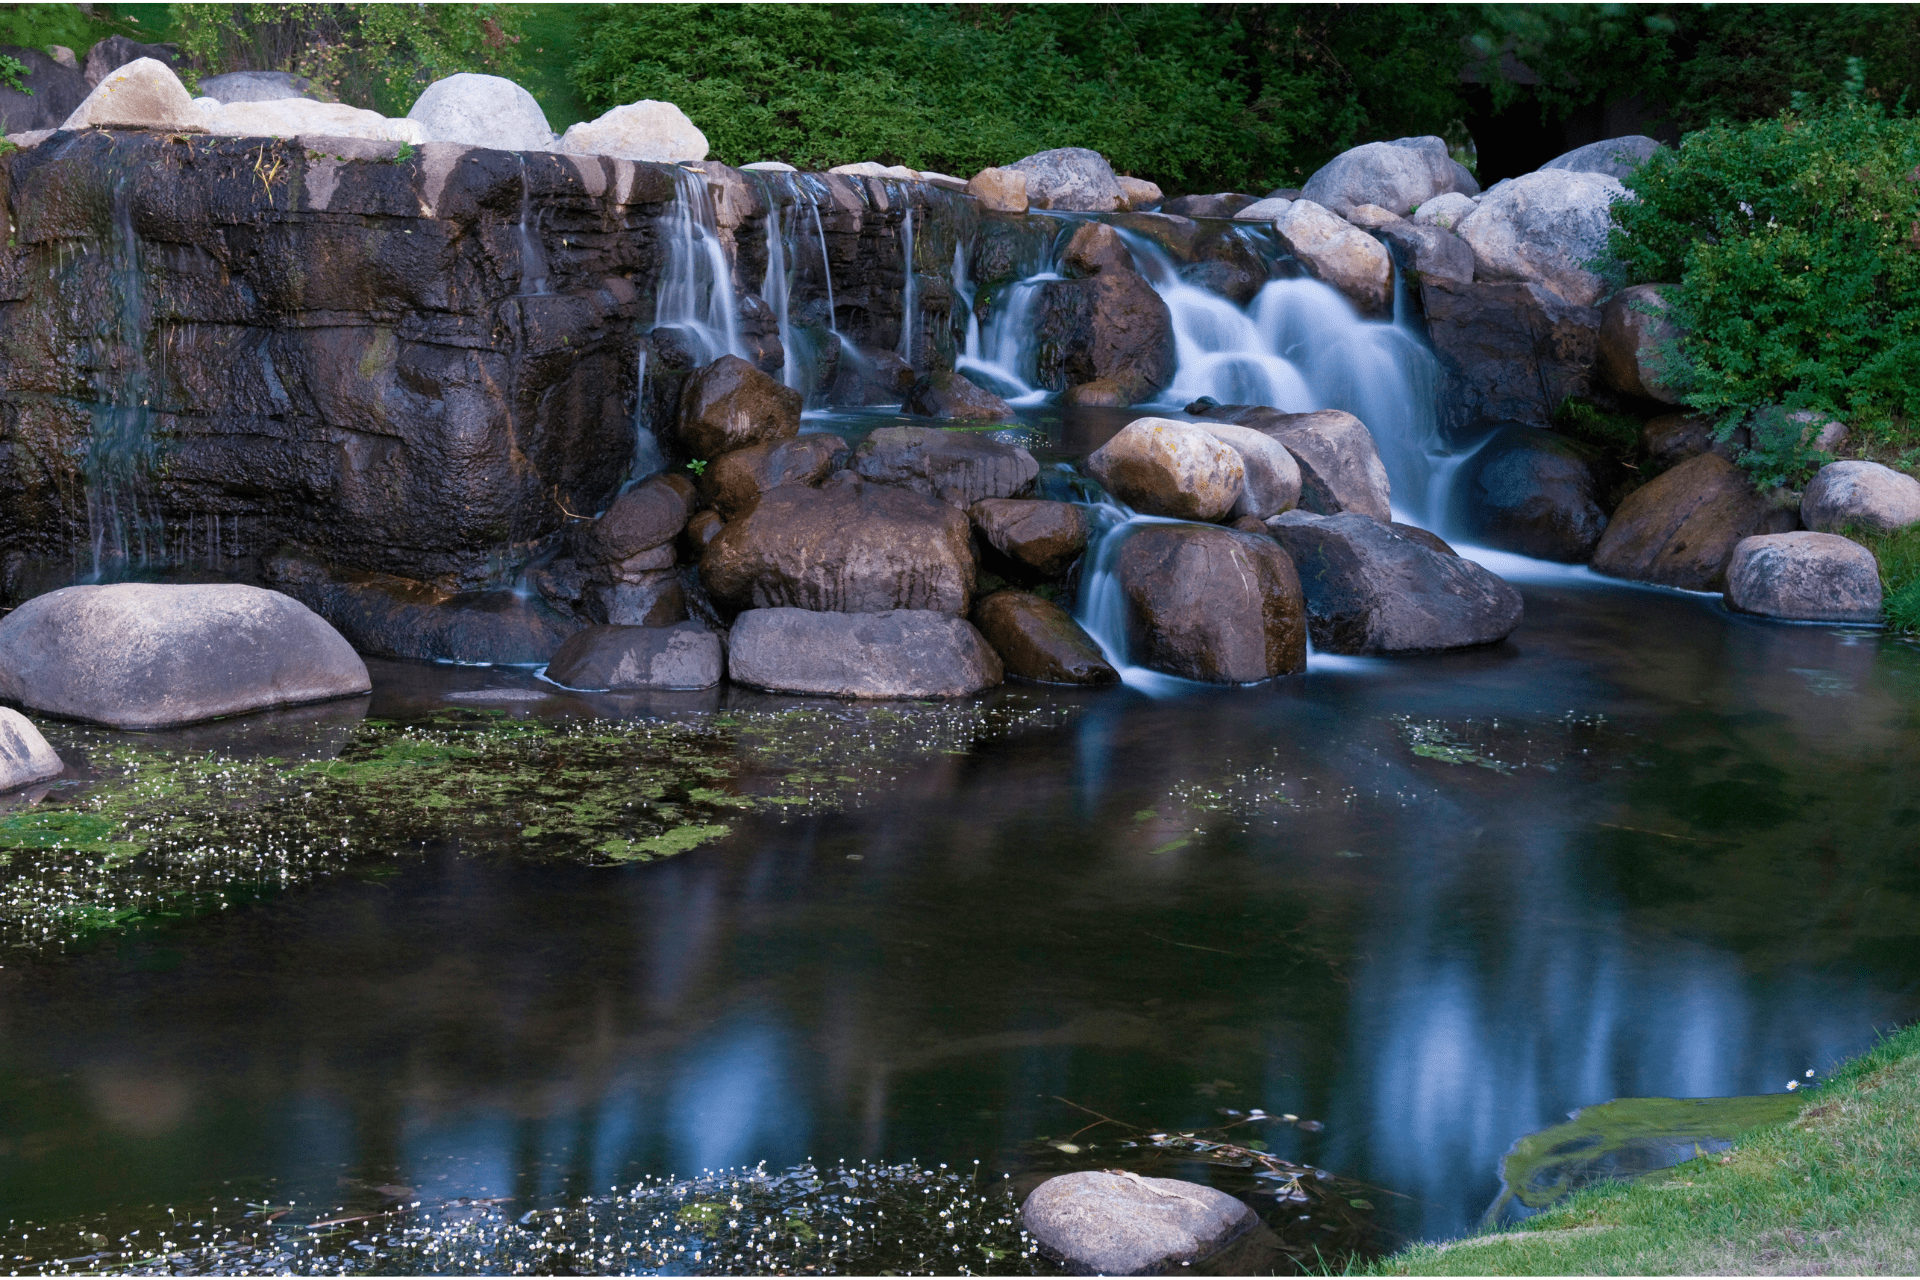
{"points": [[1436, 903]]}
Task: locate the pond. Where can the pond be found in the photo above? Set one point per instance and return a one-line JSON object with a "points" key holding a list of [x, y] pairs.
{"points": [[1422, 906]]}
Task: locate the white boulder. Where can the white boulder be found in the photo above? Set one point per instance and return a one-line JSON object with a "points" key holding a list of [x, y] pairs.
{"points": [[1339, 254], [1272, 482], [1445, 210], [1615, 157], [1165, 468], [294, 117], [1865, 495], [1398, 176], [25, 756], [1263, 210], [649, 130], [143, 94], [766, 166], [482, 111], [1545, 227]]}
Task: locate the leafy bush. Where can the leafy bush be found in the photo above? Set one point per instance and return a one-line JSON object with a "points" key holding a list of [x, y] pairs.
{"points": [[1796, 245]]}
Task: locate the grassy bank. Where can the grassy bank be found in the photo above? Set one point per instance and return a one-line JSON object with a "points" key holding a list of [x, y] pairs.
{"points": [[1836, 1190]]}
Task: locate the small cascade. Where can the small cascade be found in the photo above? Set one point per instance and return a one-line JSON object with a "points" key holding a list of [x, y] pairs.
{"points": [[696, 291], [533, 257], [905, 346], [1002, 351], [776, 287], [1100, 605], [963, 292], [124, 524], [647, 458]]}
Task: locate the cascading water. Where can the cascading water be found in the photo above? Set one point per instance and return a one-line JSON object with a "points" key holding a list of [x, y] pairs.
{"points": [[905, 346], [120, 445], [533, 258]]}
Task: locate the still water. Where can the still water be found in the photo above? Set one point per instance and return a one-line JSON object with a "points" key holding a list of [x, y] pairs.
{"points": [[1434, 903]]}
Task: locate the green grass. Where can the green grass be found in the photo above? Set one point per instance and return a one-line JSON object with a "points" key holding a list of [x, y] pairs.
{"points": [[1899, 557], [1834, 1190]]}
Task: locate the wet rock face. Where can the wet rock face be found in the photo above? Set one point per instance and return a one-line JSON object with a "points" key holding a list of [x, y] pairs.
{"points": [[735, 481], [1512, 352], [1096, 247], [957, 467], [646, 516], [1210, 604], [141, 656], [1111, 326], [730, 404], [902, 653], [684, 656], [1532, 492], [1807, 577], [1038, 640], [1680, 528], [1044, 536], [1370, 590], [1160, 467], [1104, 1224], [391, 617], [849, 546]]}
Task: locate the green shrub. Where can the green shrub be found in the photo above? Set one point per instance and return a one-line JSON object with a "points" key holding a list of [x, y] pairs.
{"points": [[1796, 245], [1585, 421], [1899, 557]]}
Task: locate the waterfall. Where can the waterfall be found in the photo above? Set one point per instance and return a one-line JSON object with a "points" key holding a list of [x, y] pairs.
{"points": [[533, 258], [647, 458], [696, 291], [776, 290], [905, 346], [120, 444], [826, 271]]}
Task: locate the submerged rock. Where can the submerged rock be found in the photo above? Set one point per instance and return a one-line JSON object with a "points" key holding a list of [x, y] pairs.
{"points": [[735, 481], [646, 130], [684, 656], [1533, 492], [849, 546], [1546, 227], [1211, 604], [141, 656], [729, 404], [1038, 640], [1072, 178], [482, 111], [25, 756], [1680, 528], [1633, 330], [1338, 254], [1865, 495], [1160, 467], [143, 94], [1807, 577], [900, 653], [1111, 1224], [1371, 590], [957, 467], [1045, 536], [944, 394]]}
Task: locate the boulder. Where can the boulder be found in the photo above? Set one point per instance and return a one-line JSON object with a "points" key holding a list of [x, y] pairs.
{"points": [[1429, 251], [769, 166], [1072, 178], [1615, 157], [702, 528], [392, 617], [1339, 254], [255, 86], [1398, 176], [1272, 481], [899, 653], [1634, 330], [1860, 495], [1672, 438], [683, 656], [1340, 467], [1545, 227], [295, 116], [1222, 204], [114, 52], [957, 467], [1095, 247], [1112, 326], [1138, 193], [143, 94], [729, 404], [141, 656], [849, 546], [734, 481], [1445, 210], [1679, 529], [1262, 210], [482, 111], [1101, 393], [999, 190], [1210, 604], [1107, 1224], [945, 394], [1045, 536], [651, 598], [1371, 217], [1431, 541], [25, 756], [1511, 352], [1160, 467], [1038, 640], [48, 93], [1532, 492], [647, 130], [651, 514], [1372, 590], [1805, 577]]}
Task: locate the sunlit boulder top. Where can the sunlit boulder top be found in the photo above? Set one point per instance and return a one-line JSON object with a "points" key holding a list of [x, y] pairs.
{"points": [[482, 111]]}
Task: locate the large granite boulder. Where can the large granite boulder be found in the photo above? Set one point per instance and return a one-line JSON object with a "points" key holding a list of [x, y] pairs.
{"points": [[649, 515], [1111, 326], [849, 546], [47, 95], [296, 116], [1512, 352], [1680, 528], [1160, 467], [1634, 333], [683, 656], [255, 86], [25, 755], [1000, 190], [647, 130], [1108, 1224], [1398, 176], [1272, 481], [900, 653], [1038, 640], [1445, 211], [1545, 227], [1339, 254], [482, 111], [143, 94], [1533, 492], [945, 394], [1095, 247], [729, 404], [1340, 467], [1615, 157], [1072, 178], [1429, 251], [957, 467], [1372, 590], [1210, 604], [1046, 537], [1862, 495], [1806, 577], [140, 656], [734, 481]]}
